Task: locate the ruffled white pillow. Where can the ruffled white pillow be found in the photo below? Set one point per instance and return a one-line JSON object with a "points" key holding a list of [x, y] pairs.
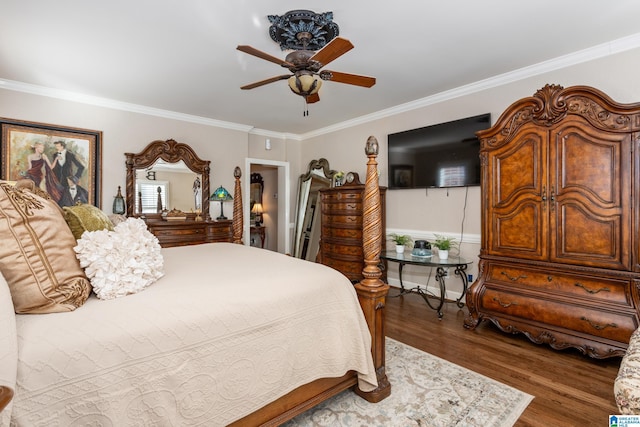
{"points": [[120, 262]]}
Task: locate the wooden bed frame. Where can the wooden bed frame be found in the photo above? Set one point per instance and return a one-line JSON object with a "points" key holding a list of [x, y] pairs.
{"points": [[372, 292]]}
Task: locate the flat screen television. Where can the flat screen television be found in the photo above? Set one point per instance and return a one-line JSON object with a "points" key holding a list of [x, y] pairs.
{"points": [[442, 155]]}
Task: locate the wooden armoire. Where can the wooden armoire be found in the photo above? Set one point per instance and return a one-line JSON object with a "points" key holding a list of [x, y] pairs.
{"points": [[341, 234], [560, 220]]}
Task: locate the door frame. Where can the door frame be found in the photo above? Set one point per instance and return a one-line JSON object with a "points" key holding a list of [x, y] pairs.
{"points": [[284, 203]]}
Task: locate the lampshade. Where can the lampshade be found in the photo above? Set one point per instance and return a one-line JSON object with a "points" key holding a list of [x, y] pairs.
{"points": [[304, 83], [220, 195], [257, 208]]}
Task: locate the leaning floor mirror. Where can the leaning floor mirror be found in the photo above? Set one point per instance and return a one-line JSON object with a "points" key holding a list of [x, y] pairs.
{"points": [[307, 224]]}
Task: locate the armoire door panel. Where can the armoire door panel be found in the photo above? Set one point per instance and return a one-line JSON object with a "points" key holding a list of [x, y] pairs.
{"points": [[517, 232], [591, 197], [518, 169], [590, 163], [584, 238]]}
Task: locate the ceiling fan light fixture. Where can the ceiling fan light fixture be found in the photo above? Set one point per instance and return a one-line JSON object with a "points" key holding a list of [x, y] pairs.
{"points": [[304, 84]]}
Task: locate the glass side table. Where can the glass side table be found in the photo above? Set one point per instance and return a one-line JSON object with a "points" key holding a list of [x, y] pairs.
{"points": [[460, 269]]}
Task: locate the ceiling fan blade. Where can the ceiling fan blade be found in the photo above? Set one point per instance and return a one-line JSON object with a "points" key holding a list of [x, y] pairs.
{"points": [[265, 81], [260, 54], [332, 50], [313, 98], [351, 79]]}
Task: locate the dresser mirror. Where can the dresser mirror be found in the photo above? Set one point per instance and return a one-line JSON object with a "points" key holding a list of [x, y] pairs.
{"points": [[174, 169], [307, 225]]}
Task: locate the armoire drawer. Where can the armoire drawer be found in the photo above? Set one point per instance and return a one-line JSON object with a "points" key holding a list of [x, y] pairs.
{"points": [[599, 289], [343, 208], [343, 249], [616, 326], [337, 220], [342, 233], [346, 196], [351, 269], [185, 232]]}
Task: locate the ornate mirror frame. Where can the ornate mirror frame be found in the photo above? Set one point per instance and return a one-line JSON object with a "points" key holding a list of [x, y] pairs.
{"points": [[306, 231], [170, 151], [257, 188]]}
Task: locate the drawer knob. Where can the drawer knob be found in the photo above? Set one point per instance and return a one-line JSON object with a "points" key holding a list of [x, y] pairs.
{"points": [[513, 279], [597, 326], [592, 291]]}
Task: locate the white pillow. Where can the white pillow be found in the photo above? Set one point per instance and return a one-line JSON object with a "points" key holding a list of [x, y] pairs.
{"points": [[120, 262]]}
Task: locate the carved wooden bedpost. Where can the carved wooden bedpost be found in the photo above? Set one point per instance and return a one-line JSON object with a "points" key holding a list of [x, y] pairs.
{"points": [[372, 291], [238, 221]]}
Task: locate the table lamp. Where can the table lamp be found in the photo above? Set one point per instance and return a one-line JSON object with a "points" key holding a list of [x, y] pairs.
{"points": [[221, 195], [257, 209]]}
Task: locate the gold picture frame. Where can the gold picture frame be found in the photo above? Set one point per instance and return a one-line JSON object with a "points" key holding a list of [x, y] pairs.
{"points": [[64, 161]]}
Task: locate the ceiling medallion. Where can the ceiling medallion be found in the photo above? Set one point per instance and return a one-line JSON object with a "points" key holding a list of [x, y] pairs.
{"points": [[303, 29]]}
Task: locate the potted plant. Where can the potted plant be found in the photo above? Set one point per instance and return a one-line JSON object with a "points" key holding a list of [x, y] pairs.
{"points": [[444, 244], [401, 240]]}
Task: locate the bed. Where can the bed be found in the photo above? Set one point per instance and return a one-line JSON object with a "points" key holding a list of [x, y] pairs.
{"points": [[214, 341]]}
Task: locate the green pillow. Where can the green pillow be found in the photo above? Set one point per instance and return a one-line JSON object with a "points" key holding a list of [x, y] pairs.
{"points": [[85, 217]]}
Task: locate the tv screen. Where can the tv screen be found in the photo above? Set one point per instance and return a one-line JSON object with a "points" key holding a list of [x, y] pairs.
{"points": [[442, 155]]}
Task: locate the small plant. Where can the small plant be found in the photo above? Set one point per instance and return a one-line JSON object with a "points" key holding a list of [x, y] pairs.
{"points": [[444, 243], [401, 239]]}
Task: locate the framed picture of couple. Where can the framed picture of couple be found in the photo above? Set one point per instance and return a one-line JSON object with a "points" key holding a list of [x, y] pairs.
{"points": [[63, 161]]}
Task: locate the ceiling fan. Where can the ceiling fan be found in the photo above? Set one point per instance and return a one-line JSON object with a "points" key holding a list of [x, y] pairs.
{"points": [[305, 64]]}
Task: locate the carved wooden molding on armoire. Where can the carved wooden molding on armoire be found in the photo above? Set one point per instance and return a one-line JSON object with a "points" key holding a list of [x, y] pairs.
{"points": [[560, 221]]}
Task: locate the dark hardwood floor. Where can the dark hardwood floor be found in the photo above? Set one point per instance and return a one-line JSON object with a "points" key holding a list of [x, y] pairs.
{"points": [[569, 389]]}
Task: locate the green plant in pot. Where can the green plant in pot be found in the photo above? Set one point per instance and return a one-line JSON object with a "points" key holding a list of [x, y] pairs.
{"points": [[401, 240], [444, 244]]}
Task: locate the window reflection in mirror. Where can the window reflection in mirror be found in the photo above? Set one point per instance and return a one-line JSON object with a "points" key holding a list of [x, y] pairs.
{"points": [[180, 187]]}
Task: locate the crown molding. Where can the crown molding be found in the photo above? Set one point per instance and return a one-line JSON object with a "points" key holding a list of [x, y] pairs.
{"points": [[118, 105], [574, 58]]}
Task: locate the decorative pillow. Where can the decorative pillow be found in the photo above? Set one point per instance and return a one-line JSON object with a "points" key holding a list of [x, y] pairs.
{"points": [[36, 254], [120, 262], [116, 219], [85, 217]]}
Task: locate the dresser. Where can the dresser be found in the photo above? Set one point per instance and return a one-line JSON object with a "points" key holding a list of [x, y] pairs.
{"points": [[560, 247], [341, 229], [182, 233]]}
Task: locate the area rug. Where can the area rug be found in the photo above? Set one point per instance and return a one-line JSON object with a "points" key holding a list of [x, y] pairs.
{"points": [[426, 391]]}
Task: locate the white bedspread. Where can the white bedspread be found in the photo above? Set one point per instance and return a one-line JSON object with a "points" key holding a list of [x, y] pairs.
{"points": [[228, 329]]}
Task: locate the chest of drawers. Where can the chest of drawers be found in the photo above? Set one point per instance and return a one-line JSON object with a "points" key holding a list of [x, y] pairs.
{"points": [[341, 234]]}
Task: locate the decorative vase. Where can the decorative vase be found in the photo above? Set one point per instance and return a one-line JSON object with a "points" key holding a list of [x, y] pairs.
{"points": [[443, 254], [400, 249], [118, 203]]}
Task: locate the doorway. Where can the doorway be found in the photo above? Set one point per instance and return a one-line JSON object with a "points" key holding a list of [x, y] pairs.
{"points": [[275, 204]]}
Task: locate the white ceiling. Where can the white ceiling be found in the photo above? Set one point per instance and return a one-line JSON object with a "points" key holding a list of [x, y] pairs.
{"points": [[180, 56]]}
